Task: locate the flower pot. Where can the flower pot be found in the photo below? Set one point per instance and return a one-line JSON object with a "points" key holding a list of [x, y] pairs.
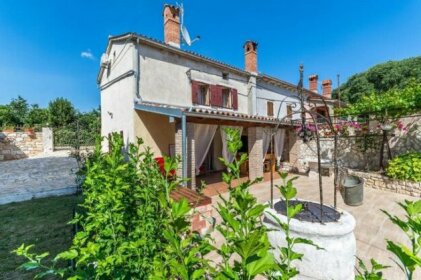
{"points": [[336, 261], [29, 131]]}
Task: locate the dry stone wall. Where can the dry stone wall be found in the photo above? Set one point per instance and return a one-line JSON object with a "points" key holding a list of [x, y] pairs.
{"points": [[17, 145], [357, 152], [41, 176], [381, 182]]}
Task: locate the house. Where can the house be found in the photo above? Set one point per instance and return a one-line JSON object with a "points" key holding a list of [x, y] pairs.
{"points": [[179, 101]]}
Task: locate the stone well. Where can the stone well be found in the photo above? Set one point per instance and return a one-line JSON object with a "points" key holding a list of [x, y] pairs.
{"points": [[336, 261]]}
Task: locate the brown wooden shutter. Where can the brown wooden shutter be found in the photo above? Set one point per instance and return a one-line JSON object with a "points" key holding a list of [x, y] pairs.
{"points": [[289, 111], [216, 95], [195, 88], [270, 109], [234, 98]]}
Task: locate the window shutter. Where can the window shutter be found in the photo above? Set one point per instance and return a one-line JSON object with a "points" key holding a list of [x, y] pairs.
{"points": [[216, 95], [234, 98], [270, 109], [195, 88]]}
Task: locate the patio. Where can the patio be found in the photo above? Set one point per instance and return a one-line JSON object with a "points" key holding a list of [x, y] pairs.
{"points": [[372, 227]]}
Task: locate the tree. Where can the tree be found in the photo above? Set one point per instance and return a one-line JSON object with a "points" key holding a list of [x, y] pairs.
{"points": [[390, 105], [37, 116], [380, 79], [61, 112], [17, 112]]}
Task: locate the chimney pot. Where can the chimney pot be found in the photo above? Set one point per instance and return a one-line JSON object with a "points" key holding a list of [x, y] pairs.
{"points": [[327, 88], [171, 16], [250, 56], [313, 80]]}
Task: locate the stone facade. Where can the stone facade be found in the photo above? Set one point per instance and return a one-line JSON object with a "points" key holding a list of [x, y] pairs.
{"points": [[202, 220], [358, 152], [381, 182], [191, 154], [255, 145], [17, 145]]}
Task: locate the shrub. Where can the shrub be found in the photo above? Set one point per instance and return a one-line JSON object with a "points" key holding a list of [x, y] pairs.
{"points": [[405, 167], [130, 227]]}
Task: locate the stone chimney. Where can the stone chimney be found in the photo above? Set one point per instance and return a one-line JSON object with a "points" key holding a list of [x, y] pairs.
{"points": [[313, 79], [172, 25], [250, 56], [327, 88]]}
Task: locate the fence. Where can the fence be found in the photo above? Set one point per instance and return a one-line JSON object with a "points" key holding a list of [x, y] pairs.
{"points": [[75, 136]]}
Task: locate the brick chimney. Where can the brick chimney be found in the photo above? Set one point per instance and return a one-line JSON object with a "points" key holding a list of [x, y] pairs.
{"points": [[327, 88], [250, 55], [313, 79], [172, 25]]}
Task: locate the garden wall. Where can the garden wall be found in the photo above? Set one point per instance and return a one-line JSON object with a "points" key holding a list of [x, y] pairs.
{"points": [[378, 181], [21, 144], [361, 153], [17, 145]]}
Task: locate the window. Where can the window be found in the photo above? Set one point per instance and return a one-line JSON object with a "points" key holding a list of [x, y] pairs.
{"points": [[226, 98], [270, 109], [225, 75], [289, 111], [200, 93], [203, 96]]}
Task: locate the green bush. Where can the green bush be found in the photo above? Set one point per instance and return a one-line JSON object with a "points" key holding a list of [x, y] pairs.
{"points": [[405, 167]]}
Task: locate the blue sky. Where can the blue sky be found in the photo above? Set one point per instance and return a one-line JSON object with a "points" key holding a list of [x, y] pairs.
{"points": [[41, 42]]}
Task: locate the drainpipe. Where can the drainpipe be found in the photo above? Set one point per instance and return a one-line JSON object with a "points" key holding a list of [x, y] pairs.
{"points": [[184, 146], [136, 67]]}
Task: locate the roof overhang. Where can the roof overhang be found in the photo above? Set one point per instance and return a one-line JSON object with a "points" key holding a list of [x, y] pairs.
{"points": [[202, 113]]}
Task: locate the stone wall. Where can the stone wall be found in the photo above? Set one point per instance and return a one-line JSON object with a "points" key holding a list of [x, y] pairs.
{"points": [[353, 151], [202, 219], [42, 176], [381, 182], [17, 145]]}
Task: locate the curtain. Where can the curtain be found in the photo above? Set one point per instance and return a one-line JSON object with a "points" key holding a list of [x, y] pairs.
{"points": [[266, 141], [225, 153], [279, 144], [203, 136]]}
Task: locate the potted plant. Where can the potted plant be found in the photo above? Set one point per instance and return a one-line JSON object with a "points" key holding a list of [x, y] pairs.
{"points": [[29, 130], [8, 128]]}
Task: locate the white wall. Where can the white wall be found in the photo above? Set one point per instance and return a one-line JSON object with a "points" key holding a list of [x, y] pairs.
{"points": [[267, 92], [117, 100], [164, 78]]}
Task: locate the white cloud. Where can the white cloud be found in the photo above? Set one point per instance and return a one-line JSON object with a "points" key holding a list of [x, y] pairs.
{"points": [[87, 54]]}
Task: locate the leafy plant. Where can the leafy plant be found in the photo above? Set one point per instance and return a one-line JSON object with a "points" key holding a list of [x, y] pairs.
{"points": [[380, 78], [374, 274], [245, 252], [183, 256], [389, 105], [130, 227], [409, 258], [405, 167], [285, 270]]}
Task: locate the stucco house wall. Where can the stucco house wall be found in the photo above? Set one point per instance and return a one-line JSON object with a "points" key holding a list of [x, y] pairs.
{"points": [[157, 132], [117, 98], [165, 78], [266, 92]]}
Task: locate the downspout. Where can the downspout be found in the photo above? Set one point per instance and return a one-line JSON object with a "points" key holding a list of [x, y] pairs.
{"points": [[184, 146], [136, 67]]}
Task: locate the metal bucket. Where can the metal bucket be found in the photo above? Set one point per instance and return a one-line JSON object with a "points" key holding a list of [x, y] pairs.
{"points": [[352, 190]]}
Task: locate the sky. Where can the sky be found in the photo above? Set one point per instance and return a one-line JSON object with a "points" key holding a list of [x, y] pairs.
{"points": [[51, 49]]}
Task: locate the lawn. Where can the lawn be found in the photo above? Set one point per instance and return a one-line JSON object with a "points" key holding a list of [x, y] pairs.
{"points": [[40, 221]]}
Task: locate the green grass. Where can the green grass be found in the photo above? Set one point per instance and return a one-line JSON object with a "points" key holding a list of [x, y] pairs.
{"points": [[42, 222]]}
